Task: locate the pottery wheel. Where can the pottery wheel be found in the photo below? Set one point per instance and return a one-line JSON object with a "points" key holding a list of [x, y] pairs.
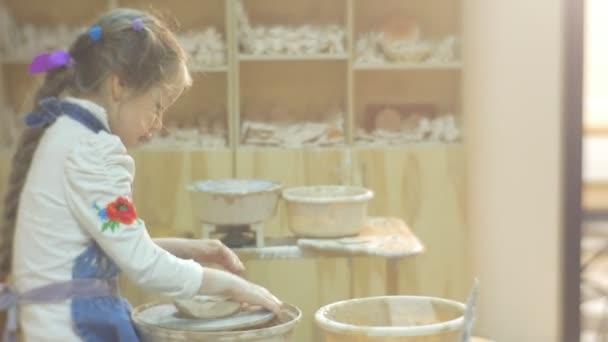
{"points": [[167, 316]]}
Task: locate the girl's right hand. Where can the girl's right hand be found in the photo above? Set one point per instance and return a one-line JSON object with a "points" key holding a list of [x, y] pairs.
{"points": [[217, 282], [256, 295]]}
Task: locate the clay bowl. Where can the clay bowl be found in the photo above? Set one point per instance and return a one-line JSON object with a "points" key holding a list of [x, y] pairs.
{"points": [[278, 330], [326, 211], [235, 201], [405, 51], [392, 319]]}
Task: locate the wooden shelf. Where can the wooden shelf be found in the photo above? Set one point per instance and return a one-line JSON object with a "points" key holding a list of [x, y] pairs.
{"points": [[407, 66], [145, 148], [412, 146], [356, 146], [280, 58], [254, 148], [198, 69]]}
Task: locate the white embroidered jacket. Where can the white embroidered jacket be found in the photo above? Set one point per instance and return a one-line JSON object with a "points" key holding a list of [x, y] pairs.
{"points": [[72, 169]]}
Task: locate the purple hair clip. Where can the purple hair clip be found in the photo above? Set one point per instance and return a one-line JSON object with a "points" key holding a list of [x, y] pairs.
{"points": [[138, 24], [49, 61]]}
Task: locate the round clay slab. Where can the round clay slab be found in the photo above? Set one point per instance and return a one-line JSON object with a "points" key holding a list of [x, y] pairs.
{"points": [[166, 316], [206, 307]]}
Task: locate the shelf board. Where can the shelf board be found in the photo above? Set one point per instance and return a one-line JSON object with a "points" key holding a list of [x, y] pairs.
{"points": [[365, 146], [252, 148], [408, 66], [156, 148], [199, 69], [255, 148], [193, 68], [278, 58]]}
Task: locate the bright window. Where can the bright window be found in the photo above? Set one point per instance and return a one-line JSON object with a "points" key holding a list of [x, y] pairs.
{"points": [[595, 103]]}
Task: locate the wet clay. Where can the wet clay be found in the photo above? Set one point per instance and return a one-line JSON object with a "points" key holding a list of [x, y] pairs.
{"points": [[207, 307]]}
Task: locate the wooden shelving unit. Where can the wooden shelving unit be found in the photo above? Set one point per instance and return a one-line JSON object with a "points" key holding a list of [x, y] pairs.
{"points": [[355, 86], [407, 66]]}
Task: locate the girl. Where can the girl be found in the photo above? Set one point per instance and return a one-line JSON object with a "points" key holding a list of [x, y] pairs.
{"points": [[69, 225]]}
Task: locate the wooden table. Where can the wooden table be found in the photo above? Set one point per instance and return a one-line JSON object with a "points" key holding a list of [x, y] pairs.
{"points": [[389, 238]]}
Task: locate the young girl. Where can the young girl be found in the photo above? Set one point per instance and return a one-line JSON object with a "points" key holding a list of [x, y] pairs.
{"points": [[69, 225]]}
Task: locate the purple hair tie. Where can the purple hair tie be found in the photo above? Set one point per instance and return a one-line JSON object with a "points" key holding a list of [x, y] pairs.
{"points": [[49, 61], [138, 24]]}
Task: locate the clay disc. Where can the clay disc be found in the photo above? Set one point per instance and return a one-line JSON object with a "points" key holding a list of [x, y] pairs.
{"points": [[207, 307], [167, 316]]}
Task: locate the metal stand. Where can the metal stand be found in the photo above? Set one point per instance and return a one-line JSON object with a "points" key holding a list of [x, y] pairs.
{"points": [[256, 228]]}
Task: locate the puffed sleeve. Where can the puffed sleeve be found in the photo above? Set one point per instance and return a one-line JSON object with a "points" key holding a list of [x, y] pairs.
{"points": [[98, 181]]}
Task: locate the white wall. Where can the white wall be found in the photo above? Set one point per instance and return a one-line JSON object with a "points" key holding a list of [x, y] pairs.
{"points": [[513, 117]]}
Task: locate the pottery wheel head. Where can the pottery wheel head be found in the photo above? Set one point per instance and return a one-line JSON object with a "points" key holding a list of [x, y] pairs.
{"points": [[166, 315]]}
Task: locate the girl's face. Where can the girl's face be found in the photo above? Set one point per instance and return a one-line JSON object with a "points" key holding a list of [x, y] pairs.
{"points": [[136, 118]]}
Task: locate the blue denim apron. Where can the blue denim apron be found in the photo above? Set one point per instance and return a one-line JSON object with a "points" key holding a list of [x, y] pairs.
{"points": [[99, 314]]}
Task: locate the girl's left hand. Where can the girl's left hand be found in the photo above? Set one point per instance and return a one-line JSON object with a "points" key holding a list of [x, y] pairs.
{"points": [[215, 252]]}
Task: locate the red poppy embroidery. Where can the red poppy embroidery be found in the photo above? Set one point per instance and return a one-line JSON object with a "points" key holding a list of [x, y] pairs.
{"points": [[117, 212]]}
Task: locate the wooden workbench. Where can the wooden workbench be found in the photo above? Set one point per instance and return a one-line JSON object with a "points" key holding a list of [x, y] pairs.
{"points": [[389, 238]]}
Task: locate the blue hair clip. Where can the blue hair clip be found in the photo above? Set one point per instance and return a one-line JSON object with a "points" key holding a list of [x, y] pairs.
{"points": [[96, 33]]}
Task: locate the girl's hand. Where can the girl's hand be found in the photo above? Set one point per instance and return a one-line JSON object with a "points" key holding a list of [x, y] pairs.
{"points": [[203, 251], [215, 252], [217, 282], [253, 294]]}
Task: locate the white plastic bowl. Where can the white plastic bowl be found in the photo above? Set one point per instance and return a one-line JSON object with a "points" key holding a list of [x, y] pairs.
{"points": [[327, 211], [235, 201]]}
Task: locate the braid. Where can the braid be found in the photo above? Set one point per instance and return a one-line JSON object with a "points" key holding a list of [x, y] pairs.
{"points": [[21, 163], [54, 84]]}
